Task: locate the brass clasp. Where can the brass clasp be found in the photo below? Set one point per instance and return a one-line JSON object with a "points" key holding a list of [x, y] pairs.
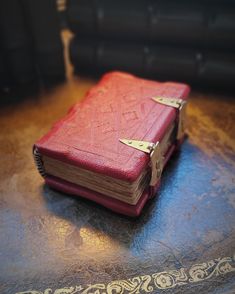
{"points": [[156, 158], [179, 104]]}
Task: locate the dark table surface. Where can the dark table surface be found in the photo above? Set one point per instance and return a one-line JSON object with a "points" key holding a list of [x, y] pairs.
{"points": [[184, 242]]}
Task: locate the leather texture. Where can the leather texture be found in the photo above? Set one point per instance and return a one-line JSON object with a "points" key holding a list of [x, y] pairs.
{"points": [[51, 243], [119, 106]]}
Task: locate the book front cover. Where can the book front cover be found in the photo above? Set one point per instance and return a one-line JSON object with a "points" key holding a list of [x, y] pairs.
{"points": [[119, 106]]}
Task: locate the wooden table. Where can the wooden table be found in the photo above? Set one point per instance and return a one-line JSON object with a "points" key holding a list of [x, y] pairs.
{"points": [[183, 243]]}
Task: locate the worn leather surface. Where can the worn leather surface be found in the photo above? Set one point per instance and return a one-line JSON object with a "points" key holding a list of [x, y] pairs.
{"points": [[50, 241], [120, 106]]}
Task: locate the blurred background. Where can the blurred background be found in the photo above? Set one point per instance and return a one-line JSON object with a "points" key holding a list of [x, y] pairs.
{"points": [[187, 41]]}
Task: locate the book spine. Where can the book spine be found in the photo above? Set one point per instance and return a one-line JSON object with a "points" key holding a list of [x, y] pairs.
{"points": [[16, 42], [187, 22], [160, 62], [43, 19], [38, 162]]}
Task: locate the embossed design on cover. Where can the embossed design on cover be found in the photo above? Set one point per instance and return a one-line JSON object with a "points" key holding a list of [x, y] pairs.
{"points": [[119, 106]]}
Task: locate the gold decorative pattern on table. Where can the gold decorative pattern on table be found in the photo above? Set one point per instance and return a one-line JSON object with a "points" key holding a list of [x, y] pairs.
{"points": [[150, 283]]}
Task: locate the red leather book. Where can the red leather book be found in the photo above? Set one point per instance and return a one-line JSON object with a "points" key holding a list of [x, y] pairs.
{"points": [[82, 153]]}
